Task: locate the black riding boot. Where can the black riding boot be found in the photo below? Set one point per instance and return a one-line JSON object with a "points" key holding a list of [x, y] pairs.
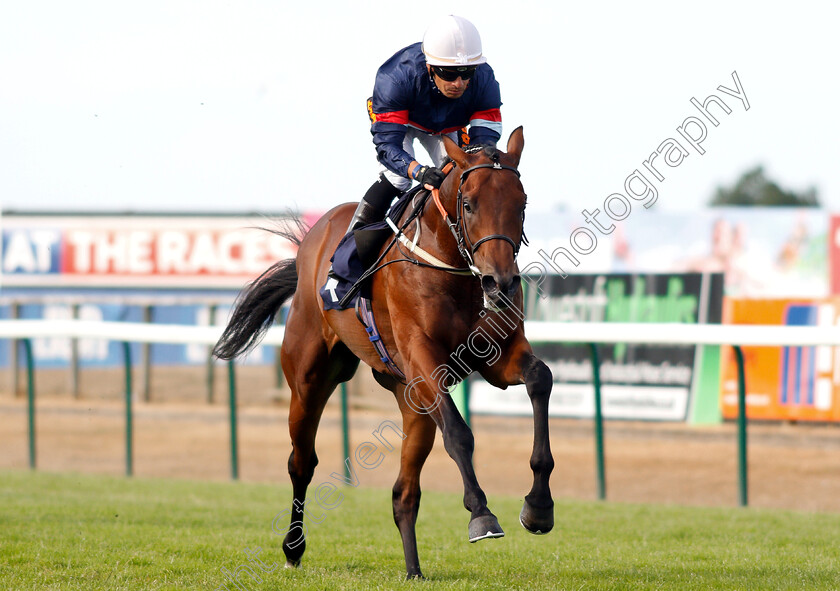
{"points": [[374, 204], [372, 207]]}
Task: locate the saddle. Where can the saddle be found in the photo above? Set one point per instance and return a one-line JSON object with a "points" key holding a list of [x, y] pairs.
{"points": [[356, 254]]}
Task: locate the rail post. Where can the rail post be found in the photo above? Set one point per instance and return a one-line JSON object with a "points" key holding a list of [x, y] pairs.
{"points": [[467, 413], [234, 448], [14, 311], [742, 427], [146, 354], [74, 356], [129, 414], [599, 423], [460, 394], [210, 367], [30, 398], [345, 431]]}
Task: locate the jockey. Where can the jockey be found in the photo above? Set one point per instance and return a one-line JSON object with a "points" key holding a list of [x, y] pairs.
{"points": [[426, 90]]}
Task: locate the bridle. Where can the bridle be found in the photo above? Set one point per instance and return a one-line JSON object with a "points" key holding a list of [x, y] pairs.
{"points": [[458, 227]]}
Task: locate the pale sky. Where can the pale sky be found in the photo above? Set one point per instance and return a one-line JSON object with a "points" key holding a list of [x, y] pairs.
{"points": [[259, 105]]}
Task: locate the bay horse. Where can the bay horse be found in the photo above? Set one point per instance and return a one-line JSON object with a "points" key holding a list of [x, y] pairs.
{"points": [[430, 320]]}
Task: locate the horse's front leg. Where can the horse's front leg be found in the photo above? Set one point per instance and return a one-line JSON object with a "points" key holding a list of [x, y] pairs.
{"points": [[423, 394], [521, 366], [537, 514]]}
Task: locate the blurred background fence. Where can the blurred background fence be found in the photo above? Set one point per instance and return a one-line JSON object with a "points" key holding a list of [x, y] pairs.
{"points": [[690, 273]]}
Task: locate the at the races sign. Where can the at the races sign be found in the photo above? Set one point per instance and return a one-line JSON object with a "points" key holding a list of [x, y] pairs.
{"points": [[121, 251]]}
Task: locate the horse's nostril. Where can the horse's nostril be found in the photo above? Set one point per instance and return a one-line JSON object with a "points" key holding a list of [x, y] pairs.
{"points": [[513, 286], [489, 285]]}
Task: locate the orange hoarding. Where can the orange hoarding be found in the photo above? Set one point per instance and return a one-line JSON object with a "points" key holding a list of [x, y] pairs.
{"points": [[784, 383]]}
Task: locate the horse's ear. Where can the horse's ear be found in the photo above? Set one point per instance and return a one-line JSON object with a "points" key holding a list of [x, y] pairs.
{"points": [[516, 142], [456, 153]]}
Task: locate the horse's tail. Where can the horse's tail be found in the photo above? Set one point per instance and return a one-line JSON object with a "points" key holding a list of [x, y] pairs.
{"points": [[258, 303]]}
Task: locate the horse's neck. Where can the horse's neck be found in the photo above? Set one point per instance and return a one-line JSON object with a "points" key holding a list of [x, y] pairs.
{"points": [[453, 278], [436, 237]]}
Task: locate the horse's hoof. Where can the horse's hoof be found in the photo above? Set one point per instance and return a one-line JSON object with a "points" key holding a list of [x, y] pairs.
{"points": [[485, 526], [292, 564], [537, 520], [415, 577]]}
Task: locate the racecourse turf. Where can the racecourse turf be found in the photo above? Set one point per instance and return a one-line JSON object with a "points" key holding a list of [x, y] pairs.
{"points": [[74, 531]]}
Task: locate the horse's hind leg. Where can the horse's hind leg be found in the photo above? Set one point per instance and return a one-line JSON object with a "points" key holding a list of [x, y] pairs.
{"points": [[313, 372]]}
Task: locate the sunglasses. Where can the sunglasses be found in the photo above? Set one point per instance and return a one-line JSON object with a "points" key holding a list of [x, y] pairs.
{"points": [[452, 74]]}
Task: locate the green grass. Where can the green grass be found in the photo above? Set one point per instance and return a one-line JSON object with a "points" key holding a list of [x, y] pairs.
{"points": [[70, 531]]}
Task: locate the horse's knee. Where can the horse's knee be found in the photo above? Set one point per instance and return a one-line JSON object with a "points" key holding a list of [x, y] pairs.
{"points": [[538, 377]]}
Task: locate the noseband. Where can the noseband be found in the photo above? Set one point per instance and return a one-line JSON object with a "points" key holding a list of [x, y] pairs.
{"points": [[458, 227]]}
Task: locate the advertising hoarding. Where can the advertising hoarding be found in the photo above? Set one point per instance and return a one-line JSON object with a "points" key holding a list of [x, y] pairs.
{"points": [[137, 251], [647, 382], [784, 383]]}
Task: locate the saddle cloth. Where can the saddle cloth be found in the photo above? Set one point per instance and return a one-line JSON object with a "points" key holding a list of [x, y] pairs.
{"points": [[356, 253]]}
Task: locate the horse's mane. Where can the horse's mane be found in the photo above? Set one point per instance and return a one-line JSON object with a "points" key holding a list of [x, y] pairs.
{"points": [[490, 151]]}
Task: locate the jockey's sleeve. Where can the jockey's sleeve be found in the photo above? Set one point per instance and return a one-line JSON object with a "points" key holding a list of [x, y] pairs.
{"points": [[388, 139], [486, 127], [486, 120], [391, 101]]}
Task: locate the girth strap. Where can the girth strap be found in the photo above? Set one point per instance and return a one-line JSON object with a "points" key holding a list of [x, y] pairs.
{"points": [[365, 315]]}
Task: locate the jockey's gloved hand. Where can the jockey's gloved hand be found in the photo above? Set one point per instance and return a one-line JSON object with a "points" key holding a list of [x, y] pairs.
{"points": [[429, 175]]}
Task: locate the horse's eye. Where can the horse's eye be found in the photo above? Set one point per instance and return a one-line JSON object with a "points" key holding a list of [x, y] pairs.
{"points": [[467, 207]]}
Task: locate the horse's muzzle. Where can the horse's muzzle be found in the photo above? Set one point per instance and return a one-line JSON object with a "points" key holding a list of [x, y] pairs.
{"points": [[499, 291]]}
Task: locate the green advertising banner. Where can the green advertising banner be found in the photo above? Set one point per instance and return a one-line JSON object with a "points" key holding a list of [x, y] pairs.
{"points": [[645, 382]]}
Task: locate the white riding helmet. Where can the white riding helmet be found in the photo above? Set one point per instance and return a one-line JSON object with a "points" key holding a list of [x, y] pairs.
{"points": [[452, 41]]}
